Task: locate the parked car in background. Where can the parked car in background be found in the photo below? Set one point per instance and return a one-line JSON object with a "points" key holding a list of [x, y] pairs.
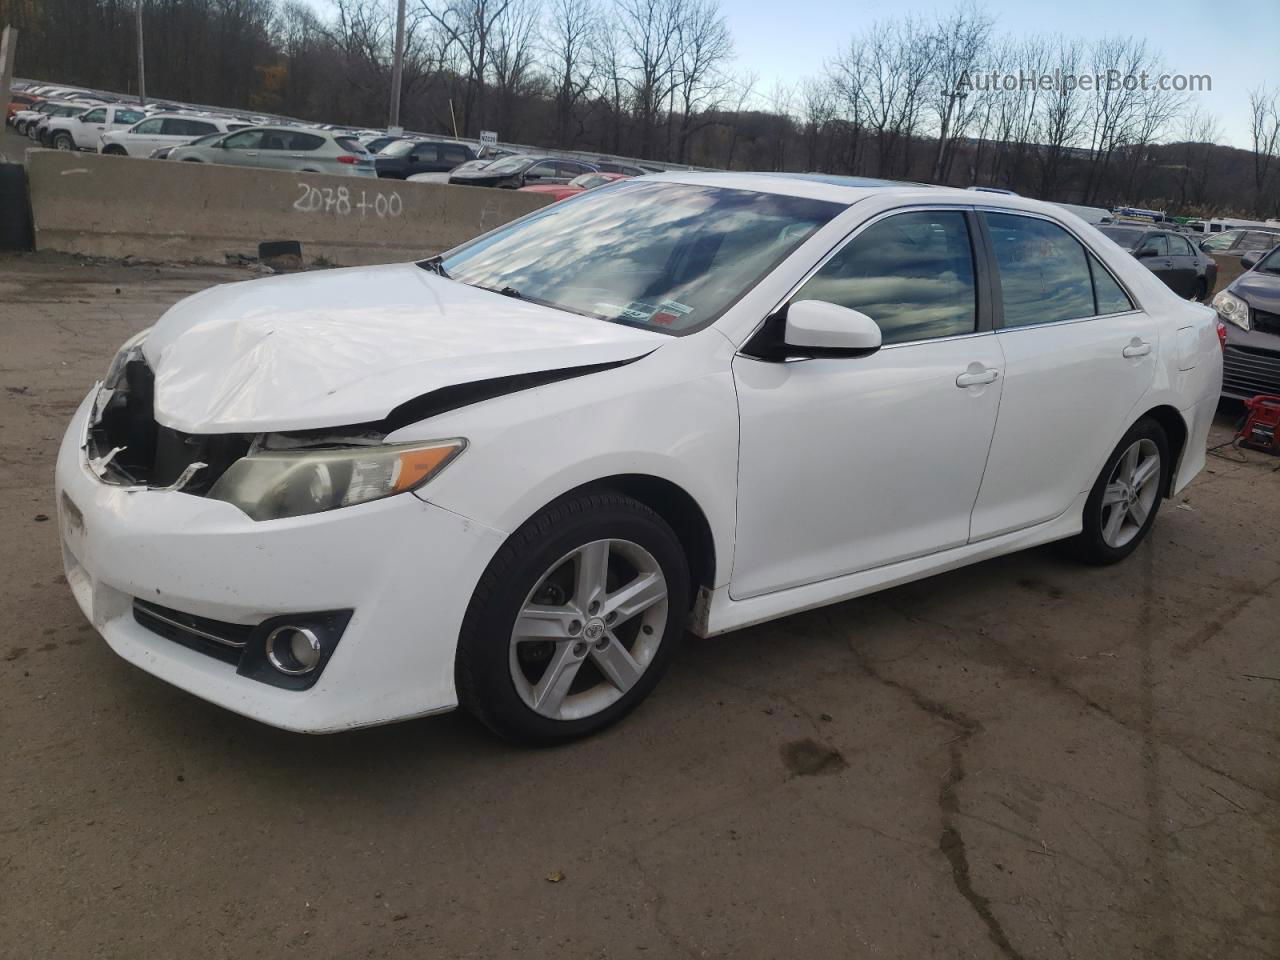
{"points": [[38, 129], [84, 131], [1094, 215], [307, 150], [1186, 271], [518, 170], [1229, 247], [588, 181], [401, 159], [162, 153], [164, 130], [1251, 308], [20, 101], [626, 169], [24, 119], [374, 144], [513, 476]]}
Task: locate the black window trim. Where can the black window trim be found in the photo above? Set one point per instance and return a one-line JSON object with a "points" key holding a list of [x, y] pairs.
{"points": [[997, 293]]}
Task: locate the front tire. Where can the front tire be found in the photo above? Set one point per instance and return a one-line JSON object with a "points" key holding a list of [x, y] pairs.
{"points": [[1126, 497], [574, 620], [63, 141]]}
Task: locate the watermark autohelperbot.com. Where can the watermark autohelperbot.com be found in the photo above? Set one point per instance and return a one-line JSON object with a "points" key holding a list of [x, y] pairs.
{"points": [[1059, 81]]}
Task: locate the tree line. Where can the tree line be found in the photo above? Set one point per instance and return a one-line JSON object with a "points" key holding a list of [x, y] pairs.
{"points": [[903, 98]]}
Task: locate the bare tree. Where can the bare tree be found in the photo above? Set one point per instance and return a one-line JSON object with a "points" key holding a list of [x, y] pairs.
{"points": [[703, 46], [511, 61], [571, 29], [1264, 132], [467, 30], [960, 41]]}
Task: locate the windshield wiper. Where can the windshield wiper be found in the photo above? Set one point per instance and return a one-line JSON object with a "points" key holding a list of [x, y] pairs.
{"points": [[435, 265]]}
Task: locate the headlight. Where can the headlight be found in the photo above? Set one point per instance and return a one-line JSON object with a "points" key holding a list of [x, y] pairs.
{"points": [[1232, 309], [131, 350], [270, 485]]}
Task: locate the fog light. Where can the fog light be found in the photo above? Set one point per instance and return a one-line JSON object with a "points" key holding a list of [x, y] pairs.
{"points": [[293, 650]]}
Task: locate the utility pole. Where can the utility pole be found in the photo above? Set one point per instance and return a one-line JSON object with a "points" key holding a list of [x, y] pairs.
{"points": [[397, 69], [142, 66]]}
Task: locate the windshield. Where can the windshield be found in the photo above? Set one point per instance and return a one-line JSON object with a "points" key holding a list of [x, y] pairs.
{"points": [[508, 165], [400, 148], [664, 256], [1271, 262]]}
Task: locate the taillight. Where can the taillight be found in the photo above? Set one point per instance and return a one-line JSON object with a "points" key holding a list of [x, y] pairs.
{"points": [[348, 158], [1222, 336]]}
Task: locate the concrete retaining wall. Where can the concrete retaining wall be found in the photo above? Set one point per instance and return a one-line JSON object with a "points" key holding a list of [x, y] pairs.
{"points": [[159, 209]]}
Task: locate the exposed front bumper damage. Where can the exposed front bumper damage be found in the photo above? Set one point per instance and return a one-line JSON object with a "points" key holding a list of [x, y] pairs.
{"points": [[402, 565]]}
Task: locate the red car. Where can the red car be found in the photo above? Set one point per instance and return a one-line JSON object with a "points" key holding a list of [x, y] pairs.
{"points": [[20, 101], [579, 184]]}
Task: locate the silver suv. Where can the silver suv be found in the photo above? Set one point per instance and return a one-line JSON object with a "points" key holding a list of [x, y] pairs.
{"points": [[306, 150]]}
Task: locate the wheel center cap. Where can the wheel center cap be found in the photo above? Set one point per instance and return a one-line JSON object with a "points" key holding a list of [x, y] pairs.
{"points": [[594, 629]]}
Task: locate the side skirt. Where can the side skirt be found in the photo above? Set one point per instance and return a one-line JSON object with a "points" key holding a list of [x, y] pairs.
{"points": [[716, 612]]}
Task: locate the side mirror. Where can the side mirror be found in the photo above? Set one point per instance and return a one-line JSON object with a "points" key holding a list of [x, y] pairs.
{"points": [[1203, 244], [1250, 260], [815, 328], [1146, 253]]}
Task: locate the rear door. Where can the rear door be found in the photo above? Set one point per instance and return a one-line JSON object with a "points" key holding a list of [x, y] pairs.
{"points": [[1079, 354], [1154, 254], [1186, 267]]}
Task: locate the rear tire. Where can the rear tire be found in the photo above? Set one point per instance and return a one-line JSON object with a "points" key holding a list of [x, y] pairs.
{"points": [[1126, 497], [550, 652], [113, 150]]}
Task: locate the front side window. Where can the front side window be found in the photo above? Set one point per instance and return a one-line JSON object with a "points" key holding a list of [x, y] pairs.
{"points": [[1222, 241], [149, 126], [670, 257], [244, 140], [1155, 245], [544, 169], [912, 273], [1044, 276]]}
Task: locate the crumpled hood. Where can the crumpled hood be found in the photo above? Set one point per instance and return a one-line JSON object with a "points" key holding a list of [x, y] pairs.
{"points": [[347, 346]]}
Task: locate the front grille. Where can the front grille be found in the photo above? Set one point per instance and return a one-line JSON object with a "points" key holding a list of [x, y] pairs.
{"points": [[1265, 322], [150, 454], [1247, 372], [224, 641]]}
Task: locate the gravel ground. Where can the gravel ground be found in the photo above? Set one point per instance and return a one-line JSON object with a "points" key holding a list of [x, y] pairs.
{"points": [[1022, 759]]}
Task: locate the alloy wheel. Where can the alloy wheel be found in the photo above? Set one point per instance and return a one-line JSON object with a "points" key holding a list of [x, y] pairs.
{"points": [[588, 629], [1130, 493]]}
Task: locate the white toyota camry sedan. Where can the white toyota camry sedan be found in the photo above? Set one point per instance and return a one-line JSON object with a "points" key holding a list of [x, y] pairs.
{"points": [[511, 477]]}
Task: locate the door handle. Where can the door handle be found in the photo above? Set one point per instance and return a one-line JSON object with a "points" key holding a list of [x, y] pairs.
{"points": [[1137, 348], [976, 378]]}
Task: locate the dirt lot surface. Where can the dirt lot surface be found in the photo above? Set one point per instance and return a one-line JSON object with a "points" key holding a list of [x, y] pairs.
{"points": [[1022, 759]]}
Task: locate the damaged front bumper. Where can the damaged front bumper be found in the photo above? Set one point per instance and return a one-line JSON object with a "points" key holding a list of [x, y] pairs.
{"points": [[404, 568]]}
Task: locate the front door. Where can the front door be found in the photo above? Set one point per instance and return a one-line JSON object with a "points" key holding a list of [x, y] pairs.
{"points": [[850, 464]]}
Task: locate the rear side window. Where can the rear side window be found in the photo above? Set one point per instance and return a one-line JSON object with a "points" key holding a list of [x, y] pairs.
{"points": [[129, 116], [1179, 247], [1110, 296], [304, 141], [1222, 241], [181, 127], [1256, 240], [454, 154], [1044, 276], [911, 273], [95, 116], [567, 168]]}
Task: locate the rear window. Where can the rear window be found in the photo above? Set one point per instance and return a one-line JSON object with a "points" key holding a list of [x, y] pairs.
{"points": [[350, 144]]}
